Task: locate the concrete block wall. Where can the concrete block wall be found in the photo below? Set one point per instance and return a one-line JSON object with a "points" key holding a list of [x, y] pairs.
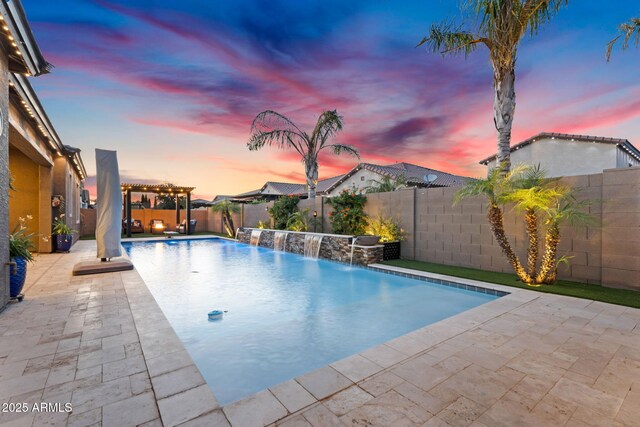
{"points": [[439, 232]]}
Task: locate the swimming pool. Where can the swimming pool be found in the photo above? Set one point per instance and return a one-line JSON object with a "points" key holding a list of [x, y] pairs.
{"points": [[286, 315]]}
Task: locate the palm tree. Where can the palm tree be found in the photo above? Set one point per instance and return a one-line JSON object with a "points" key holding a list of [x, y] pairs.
{"points": [[563, 208], [496, 187], [627, 30], [272, 128], [227, 209], [500, 25], [385, 184]]}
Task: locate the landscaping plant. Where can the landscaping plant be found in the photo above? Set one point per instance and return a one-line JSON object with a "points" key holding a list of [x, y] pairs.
{"points": [[21, 241], [282, 209], [541, 200], [628, 30], [227, 209], [385, 227], [298, 221], [348, 215], [272, 128], [386, 184]]}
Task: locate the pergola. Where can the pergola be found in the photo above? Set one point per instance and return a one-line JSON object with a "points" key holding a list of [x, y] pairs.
{"points": [[163, 190]]}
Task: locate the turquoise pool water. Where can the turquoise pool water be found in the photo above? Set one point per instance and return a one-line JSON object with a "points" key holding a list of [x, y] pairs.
{"points": [[286, 314]]}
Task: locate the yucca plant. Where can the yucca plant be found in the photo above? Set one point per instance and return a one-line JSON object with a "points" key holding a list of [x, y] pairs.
{"points": [[498, 25], [272, 128]]}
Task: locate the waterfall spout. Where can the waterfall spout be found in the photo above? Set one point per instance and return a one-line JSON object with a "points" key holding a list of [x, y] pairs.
{"points": [[237, 231], [255, 237], [280, 240], [312, 244], [353, 247]]}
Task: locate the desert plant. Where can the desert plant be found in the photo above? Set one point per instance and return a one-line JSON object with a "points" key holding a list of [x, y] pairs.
{"points": [[385, 184], [272, 128], [628, 30], [282, 210], [500, 25], [227, 209], [21, 240], [385, 227], [262, 225], [348, 215]]}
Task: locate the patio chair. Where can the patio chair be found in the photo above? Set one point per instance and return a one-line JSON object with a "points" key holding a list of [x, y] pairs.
{"points": [[157, 226], [136, 226], [182, 228]]}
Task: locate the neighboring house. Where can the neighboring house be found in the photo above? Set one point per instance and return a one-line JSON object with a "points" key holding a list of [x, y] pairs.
{"points": [[19, 53], [561, 154], [358, 178], [365, 174]]}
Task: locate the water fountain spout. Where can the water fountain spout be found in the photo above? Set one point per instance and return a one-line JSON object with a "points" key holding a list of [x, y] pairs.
{"points": [[312, 243], [353, 248], [255, 237], [280, 240]]}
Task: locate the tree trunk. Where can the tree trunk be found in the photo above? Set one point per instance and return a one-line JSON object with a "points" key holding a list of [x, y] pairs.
{"points": [[228, 223], [504, 106], [548, 267], [311, 171], [496, 221], [531, 221]]}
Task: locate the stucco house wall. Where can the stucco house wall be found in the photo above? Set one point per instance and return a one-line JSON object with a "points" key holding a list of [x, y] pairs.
{"points": [[566, 158], [4, 179], [360, 180]]}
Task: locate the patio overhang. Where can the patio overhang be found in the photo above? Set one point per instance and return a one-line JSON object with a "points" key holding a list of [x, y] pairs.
{"points": [[160, 189]]}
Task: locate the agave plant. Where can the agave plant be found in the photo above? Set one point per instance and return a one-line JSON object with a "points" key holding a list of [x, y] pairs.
{"points": [[272, 128]]}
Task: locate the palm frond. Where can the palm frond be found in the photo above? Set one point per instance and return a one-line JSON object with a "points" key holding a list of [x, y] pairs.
{"points": [[329, 124], [628, 31], [448, 38], [537, 12], [340, 148], [282, 138]]}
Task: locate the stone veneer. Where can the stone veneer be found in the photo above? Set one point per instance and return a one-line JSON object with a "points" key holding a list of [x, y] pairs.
{"points": [[334, 247]]}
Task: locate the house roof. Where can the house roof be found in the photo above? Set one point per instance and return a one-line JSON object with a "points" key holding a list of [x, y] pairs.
{"points": [[283, 188], [24, 54], [414, 175], [623, 143]]}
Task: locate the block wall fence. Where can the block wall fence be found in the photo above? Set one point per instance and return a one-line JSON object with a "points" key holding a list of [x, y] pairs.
{"points": [[439, 232]]}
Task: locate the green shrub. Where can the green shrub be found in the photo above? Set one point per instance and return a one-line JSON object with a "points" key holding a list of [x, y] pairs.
{"points": [[385, 227], [298, 221], [348, 215], [282, 210]]}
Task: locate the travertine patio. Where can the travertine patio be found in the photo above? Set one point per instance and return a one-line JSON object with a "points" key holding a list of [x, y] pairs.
{"points": [[101, 343]]}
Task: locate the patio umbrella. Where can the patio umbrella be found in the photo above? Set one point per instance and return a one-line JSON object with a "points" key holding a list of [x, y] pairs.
{"points": [[109, 209]]}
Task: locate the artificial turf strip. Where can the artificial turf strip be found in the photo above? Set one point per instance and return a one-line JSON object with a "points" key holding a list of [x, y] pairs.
{"points": [[561, 287], [146, 235]]}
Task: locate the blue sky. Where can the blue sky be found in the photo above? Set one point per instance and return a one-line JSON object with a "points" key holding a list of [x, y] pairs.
{"points": [[174, 86]]}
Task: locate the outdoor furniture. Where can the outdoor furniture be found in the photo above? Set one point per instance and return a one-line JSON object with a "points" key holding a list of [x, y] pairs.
{"points": [[157, 226], [170, 233], [182, 228], [136, 226]]}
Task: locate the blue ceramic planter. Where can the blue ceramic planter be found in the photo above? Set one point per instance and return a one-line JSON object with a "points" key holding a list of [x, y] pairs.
{"points": [[17, 276], [63, 242]]}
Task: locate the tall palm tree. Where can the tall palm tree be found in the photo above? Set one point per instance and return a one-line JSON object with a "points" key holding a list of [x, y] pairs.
{"points": [[227, 209], [629, 29], [272, 128], [499, 26]]}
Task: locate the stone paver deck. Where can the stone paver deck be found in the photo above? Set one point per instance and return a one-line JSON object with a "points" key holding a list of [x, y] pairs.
{"points": [[102, 344]]}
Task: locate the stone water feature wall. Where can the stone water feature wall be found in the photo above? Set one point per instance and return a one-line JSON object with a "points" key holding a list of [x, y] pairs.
{"points": [[334, 247]]}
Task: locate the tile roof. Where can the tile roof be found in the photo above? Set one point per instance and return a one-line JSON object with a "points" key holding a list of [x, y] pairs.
{"points": [[570, 137], [413, 174]]}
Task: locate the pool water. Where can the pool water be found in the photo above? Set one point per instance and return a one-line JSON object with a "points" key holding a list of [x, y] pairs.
{"points": [[285, 315]]}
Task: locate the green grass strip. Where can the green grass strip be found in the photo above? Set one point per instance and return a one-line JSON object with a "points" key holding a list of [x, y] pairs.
{"points": [[624, 297]]}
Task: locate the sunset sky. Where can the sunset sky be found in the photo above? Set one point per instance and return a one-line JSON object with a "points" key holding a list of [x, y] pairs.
{"points": [[174, 85]]}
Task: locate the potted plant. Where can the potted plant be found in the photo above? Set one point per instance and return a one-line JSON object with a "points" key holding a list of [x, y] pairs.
{"points": [[63, 234], [20, 246], [391, 234]]}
